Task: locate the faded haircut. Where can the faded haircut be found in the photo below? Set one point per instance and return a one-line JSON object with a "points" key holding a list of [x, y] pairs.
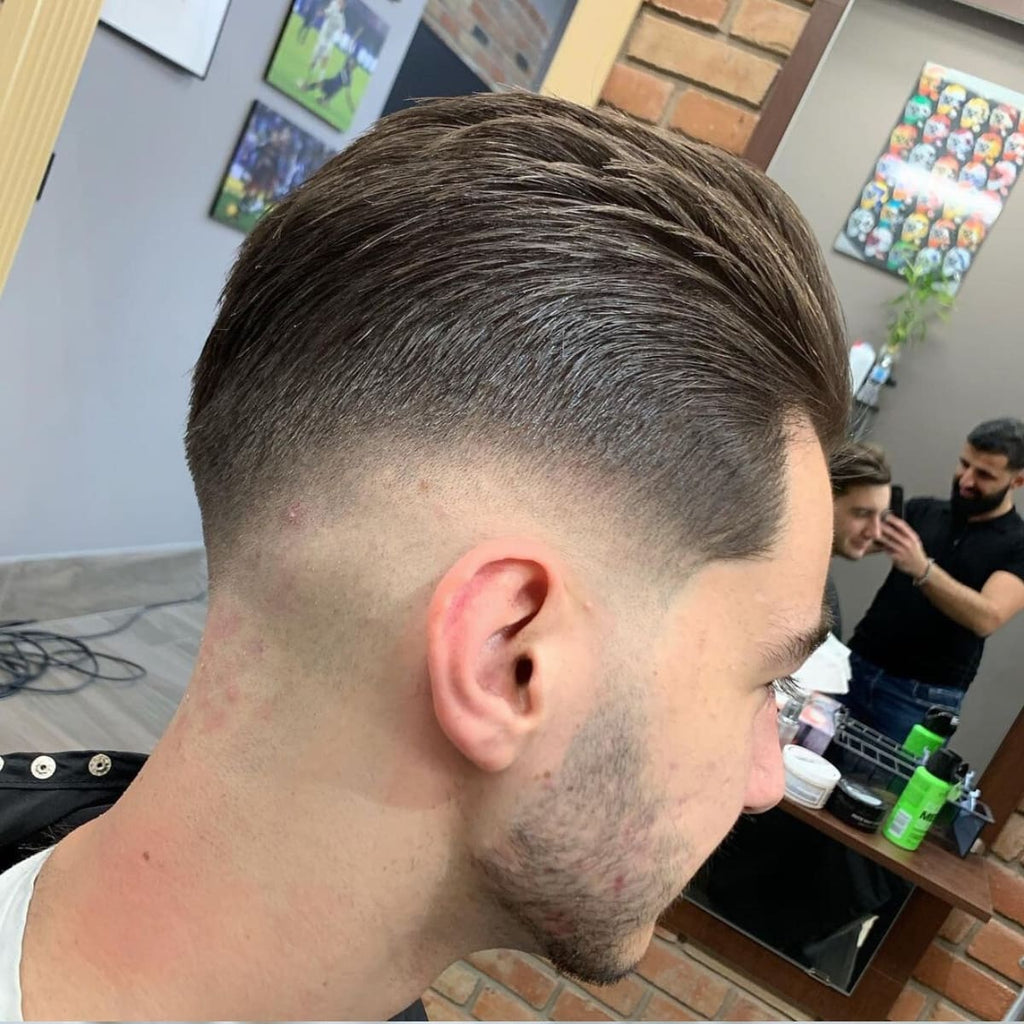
{"points": [[561, 286], [858, 464]]}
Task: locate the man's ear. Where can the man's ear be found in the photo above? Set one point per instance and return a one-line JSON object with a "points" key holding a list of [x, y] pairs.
{"points": [[1018, 481], [484, 622]]}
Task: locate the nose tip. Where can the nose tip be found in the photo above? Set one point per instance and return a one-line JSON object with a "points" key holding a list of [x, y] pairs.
{"points": [[767, 782], [772, 787]]}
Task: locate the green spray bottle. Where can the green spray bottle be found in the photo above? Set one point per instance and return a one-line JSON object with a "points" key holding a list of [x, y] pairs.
{"points": [[920, 802], [938, 725]]}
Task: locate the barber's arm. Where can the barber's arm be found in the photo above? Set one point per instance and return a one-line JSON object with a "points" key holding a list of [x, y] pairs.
{"points": [[982, 612]]}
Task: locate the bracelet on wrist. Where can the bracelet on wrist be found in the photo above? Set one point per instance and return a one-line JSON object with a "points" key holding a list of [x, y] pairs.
{"points": [[923, 578]]}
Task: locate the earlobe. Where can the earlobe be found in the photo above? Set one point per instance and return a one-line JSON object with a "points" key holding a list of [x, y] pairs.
{"points": [[483, 652]]}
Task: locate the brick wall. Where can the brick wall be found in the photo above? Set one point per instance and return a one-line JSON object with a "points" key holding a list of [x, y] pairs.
{"points": [[970, 972], [674, 981], [704, 67], [503, 43]]}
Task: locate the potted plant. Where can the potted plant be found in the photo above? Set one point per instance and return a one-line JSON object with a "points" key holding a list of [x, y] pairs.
{"points": [[926, 296]]}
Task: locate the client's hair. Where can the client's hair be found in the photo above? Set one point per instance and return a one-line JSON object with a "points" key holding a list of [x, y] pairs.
{"points": [[856, 464], [557, 286]]}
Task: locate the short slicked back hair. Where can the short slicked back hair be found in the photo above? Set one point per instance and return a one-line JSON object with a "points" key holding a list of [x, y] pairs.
{"points": [[858, 464], [559, 285], [1004, 436]]}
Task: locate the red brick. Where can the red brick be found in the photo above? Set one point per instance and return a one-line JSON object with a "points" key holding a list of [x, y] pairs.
{"points": [[661, 1007], [1001, 948], [701, 58], [1007, 890], [1010, 844], [704, 12], [457, 982], [963, 984], [523, 974], [623, 997], [943, 1011], [494, 1003], [957, 926], [672, 970], [743, 1007], [535, 16], [439, 1008], [636, 92], [713, 120], [449, 26], [572, 1006], [909, 1004], [483, 18], [769, 24]]}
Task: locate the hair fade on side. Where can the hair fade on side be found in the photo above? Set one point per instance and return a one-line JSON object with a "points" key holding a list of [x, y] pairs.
{"points": [[556, 283]]}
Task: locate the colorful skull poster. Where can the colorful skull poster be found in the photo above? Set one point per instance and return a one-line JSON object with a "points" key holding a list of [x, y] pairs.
{"points": [[951, 160]]}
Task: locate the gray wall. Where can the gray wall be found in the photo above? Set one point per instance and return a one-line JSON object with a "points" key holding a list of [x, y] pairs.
{"points": [[116, 282], [970, 369]]}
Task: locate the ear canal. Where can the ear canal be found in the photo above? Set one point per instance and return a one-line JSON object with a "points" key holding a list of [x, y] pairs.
{"points": [[524, 671]]}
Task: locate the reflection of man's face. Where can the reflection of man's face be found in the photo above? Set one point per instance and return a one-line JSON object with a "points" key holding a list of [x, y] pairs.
{"points": [[663, 733], [857, 519], [982, 474]]}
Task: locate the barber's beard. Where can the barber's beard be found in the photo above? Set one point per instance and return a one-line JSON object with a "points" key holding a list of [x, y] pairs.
{"points": [[968, 508]]}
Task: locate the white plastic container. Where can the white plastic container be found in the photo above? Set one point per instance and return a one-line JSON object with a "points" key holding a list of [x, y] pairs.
{"points": [[810, 779]]}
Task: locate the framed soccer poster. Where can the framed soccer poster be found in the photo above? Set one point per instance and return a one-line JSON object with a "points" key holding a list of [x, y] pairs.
{"points": [[941, 180], [272, 157], [326, 54]]}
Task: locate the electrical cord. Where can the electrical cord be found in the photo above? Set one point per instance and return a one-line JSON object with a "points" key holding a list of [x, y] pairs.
{"points": [[28, 654]]}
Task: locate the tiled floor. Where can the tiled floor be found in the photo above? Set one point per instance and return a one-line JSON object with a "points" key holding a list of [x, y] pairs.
{"points": [[108, 715]]}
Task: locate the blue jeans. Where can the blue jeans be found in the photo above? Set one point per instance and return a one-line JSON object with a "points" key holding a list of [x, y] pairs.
{"points": [[892, 705]]}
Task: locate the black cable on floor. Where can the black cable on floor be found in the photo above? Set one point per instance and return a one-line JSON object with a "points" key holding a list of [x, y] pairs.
{"points": [[28, 654]]}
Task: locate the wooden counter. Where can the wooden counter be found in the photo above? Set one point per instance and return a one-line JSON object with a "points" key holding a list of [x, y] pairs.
{"points": [[959, 881]]}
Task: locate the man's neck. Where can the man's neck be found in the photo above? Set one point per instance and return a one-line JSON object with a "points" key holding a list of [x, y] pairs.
{"points": [[243, 905]]}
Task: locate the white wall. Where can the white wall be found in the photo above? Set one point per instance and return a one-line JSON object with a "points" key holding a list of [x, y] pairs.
{"points": [[116, 282], [971, 369]]}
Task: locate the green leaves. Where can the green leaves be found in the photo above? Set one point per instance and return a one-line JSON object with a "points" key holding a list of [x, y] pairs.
{"points": [[926, 297]]}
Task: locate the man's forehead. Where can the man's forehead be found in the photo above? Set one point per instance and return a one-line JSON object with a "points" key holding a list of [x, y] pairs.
{"points": [[994, 461], [869, 496]]}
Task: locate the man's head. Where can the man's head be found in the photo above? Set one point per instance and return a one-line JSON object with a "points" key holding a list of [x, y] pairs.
{"points": [[510, 444], [861, 494], [990, 466]]}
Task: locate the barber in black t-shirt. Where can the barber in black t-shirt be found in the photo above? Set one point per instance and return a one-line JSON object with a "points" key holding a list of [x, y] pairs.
{"points": [[957, 577]]}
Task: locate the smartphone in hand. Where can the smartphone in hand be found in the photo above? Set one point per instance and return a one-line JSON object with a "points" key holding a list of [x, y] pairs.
{"points": [[896, 502]]}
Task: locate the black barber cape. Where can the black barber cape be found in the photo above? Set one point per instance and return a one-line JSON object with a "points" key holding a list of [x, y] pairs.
{"points": [[43, 797]]}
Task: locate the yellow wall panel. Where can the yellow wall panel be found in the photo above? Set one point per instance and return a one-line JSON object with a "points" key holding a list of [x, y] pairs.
{"points": [[42, 46]]}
